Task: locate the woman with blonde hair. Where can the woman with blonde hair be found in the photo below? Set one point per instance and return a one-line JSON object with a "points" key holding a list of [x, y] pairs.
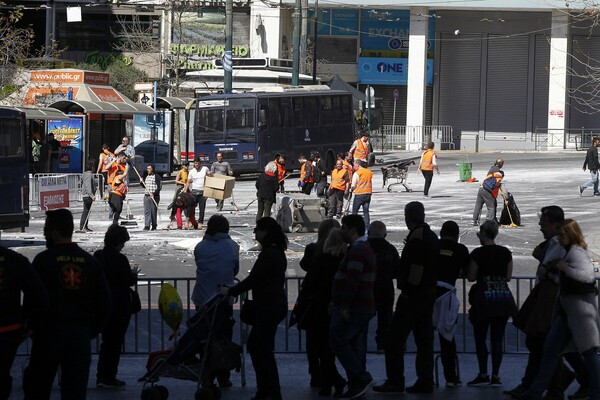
{"points": [[317, 283], [576, 321]]}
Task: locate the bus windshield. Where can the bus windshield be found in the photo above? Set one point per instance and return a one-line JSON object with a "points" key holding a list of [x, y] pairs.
{"points": [[231, 120]]}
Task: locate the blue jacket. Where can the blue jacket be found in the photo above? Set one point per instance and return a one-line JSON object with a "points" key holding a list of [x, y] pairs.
{"points": [[217, 263]]}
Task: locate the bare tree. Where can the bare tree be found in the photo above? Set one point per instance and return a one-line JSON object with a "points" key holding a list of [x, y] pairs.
{"points": [[15, 45]]}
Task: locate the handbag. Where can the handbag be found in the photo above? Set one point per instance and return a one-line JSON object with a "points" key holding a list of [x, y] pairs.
{"points": [[136, 303], [248, 312]]}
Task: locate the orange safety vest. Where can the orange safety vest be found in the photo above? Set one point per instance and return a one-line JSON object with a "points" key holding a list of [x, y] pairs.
{"points": [[498, 177], [104, 161], [364, 185], [120, 189], [427, 160], [339, 179], [280, 172], [113, 171], [303, 173], [362, 150]]}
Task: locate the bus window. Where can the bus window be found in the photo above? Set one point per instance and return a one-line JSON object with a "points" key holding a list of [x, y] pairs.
{"points": [[311, 111], [346, 107], [240, 122], [298, 112], [274, 113], [209, 125], [326, 110], [286, 113], [11, 144]]}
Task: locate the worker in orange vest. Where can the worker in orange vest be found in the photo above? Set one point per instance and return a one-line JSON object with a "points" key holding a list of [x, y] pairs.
{"points": [[104, 159], [307, 180], [340, 178], [488, 192], [362, 187], [427, 164], [118, 193], [360, 147], [280, 161]]}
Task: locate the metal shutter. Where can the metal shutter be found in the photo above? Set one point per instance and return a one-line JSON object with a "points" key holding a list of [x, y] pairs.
{"points": [[459, 81], [541, 82], [587, 51], [506, 97]]}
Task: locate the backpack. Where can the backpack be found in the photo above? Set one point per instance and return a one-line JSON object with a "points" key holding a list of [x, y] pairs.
{"points": [[489, 183]]}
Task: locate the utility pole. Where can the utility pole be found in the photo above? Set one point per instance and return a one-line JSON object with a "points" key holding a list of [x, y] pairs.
{"points": [[303, 34], [296, 43], [227, 57], [315, 35]]}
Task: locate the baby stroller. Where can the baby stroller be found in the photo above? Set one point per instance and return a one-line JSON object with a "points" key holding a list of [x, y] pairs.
{"points": [[204, 337], [399, 172]]}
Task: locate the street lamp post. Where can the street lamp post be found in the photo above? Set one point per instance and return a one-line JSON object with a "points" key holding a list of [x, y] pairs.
{"points": [[315, 35]]}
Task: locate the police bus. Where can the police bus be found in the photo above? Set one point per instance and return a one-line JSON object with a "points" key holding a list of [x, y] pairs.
{"points": [[14, 169], [252, 128]]}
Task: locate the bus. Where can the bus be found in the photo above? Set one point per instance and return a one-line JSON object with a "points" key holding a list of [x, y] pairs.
{"points": [[252, 128], [14, 170]]}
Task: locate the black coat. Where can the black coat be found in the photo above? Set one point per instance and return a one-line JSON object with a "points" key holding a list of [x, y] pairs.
{"points": [[267, 186]]}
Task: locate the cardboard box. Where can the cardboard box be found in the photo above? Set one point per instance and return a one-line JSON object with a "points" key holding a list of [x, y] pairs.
{"points": [[218, 187]]}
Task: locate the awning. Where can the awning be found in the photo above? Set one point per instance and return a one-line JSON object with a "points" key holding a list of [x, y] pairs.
{"points": [[173, 102], [40, 113], [101, 107]]}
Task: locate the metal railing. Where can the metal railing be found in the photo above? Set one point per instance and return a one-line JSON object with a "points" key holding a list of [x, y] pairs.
{"points": [[73, 181], [400, 137], [580, 138], [148, 332]]}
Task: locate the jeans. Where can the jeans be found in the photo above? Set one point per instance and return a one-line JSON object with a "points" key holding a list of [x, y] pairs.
{"points": [[384, 322], [593, 181], [9, 341], [497, 326], [363, 200], [556, 340], [200, 200], [348, 341], [413, 314], [150, 210], [428, 175], [87, 204], [109, 356], [448, 357], [485, 197], [264, 208]]}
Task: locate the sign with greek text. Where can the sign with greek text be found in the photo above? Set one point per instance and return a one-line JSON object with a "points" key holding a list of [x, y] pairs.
{"points": [[54, 192]]}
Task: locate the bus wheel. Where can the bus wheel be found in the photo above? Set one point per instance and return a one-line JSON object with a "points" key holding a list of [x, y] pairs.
{"points": [[330, 160]]}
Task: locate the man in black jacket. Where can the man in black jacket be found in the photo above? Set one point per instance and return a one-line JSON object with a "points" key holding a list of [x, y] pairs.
{"points": [[320, 174], [17, 318], [266, 189], [79, 307], [388, 264], [591, 162]]}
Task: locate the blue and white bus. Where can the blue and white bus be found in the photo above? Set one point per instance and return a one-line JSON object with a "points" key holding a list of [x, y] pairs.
{"points": [[14, 169], [252, 128]]}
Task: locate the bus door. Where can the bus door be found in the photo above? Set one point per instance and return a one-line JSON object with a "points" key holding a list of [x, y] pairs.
{"points": [[14, 170]]}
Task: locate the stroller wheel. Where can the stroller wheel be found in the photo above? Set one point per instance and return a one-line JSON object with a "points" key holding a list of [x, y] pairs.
{"points": [[151, 393], [389, 189], [163, 391], [204, 394]]}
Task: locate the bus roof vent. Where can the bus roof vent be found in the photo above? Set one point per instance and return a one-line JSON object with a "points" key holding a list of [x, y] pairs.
{"points": [[282, 89]]}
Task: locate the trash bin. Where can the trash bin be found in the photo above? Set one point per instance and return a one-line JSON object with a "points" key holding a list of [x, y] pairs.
{"points": [[464, 171]]}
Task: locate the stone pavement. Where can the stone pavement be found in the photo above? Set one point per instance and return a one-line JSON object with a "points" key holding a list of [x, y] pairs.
{"points": [[294, 380]]}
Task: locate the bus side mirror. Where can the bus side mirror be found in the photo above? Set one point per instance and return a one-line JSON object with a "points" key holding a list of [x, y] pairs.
{"points": [[262, 117]]}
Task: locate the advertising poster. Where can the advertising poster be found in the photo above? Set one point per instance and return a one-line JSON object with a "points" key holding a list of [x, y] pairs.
{"points": [[69, 133]]}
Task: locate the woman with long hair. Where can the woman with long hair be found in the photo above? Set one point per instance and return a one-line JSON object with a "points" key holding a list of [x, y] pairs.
{"points": [[576, 321], [267, 282], [317, 283], [491, 301]]}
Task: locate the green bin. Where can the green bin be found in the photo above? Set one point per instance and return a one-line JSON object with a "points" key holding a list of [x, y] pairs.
{"points": [[464, 171]]}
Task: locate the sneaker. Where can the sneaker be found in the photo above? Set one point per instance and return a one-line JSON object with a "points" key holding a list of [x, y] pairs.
{"points": [[420, 388], [480, 380], [87, 230], [581, 190], [515, 391], [389, 388], [111, 384], [582, 393], [475, 223], [146, 228], [495, 381], [454, 384], [597, 194], [358, 389]]}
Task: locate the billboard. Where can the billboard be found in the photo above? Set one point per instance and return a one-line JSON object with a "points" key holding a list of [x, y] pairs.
{"points": [[69, 132]]}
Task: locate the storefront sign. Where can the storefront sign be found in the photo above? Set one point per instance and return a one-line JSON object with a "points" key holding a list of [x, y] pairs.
{"points": [[104, 60], [209, 50], [389, 30], [386, 71], [106, 94], [98, 78], [70, 135], [54, 192]]}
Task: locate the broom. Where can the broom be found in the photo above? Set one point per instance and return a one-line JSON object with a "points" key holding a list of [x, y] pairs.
{"points": [[512, 223]]}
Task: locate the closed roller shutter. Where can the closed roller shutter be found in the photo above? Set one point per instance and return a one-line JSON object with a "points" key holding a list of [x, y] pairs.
{"points": [[541, 82], [587, 51], [506, 97], [459, 81], [386, 93]]}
